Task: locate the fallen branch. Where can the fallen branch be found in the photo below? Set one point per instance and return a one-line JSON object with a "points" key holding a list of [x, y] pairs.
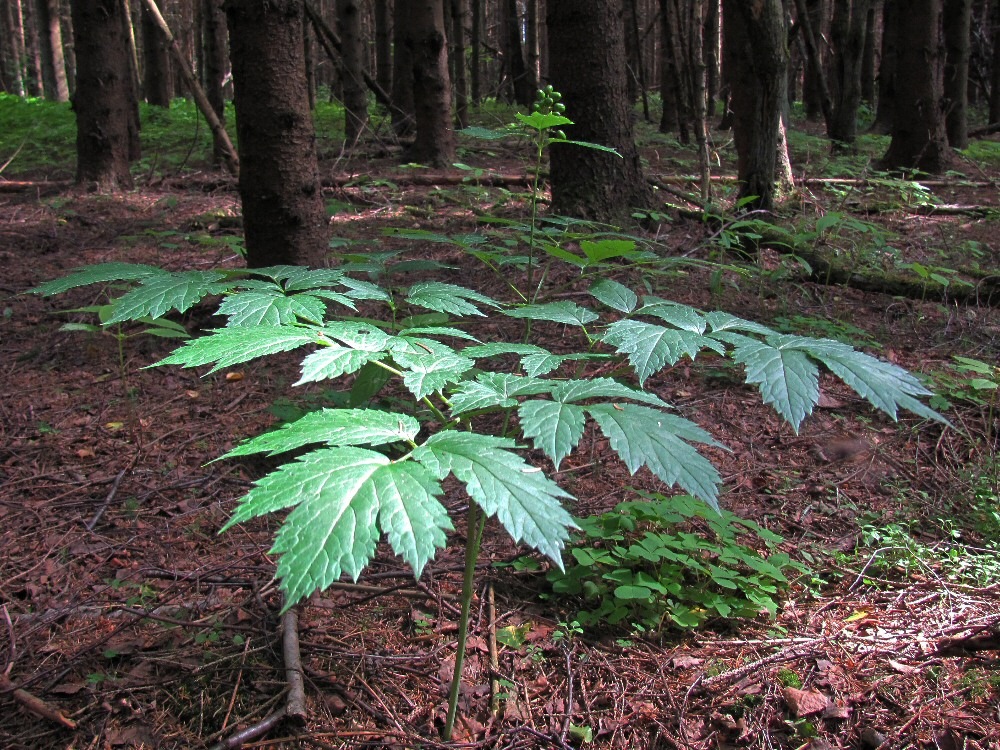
{"points": [[34, 704], [993, 127]]}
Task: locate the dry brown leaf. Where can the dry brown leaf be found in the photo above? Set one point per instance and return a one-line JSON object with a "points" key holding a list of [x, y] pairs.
{"points": [[804, 702]]}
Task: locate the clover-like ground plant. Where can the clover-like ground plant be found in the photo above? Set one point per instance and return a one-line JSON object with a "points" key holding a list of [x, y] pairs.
{"points": [[370, 472]]}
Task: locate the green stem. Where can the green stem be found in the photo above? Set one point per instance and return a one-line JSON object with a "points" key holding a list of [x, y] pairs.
{"points": [[476, 520]]}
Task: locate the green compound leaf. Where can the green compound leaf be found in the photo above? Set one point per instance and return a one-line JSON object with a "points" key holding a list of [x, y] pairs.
{"points": [[448, 298], [680, 316], [357, 289], [333, 361], [230, 346], [338, 493], [786, 377], [495, 389], [367, 338], [161, 293], [457, 333], [522, 498], [272, 308], [565, 311], [99, 274], [646, 437], [651, 347], [720, 321], [338, 427], [616, 296], [555, 428], [884, 385], [578, 390], [495, 349], [428, 372]]}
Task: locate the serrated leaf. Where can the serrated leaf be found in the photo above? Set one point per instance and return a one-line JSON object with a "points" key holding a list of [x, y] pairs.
{"points": [[564, 311], [457, 333], [426, 373], [883, 384], [272, 308], [448, 298], [650, 347], [495, 349], [161, 293], [333, 361], [614, 295], [102, 273], [680, 316], [522, 498], [607, 248], [230, 346], [642, 436], [339, 427], [535, 365], [299, 278], [368, 338], [720, 321], [554, 428], [593, 146], [542, 120], [495, 389], [341, 497], [787, 379], [358, 289], [578, 390], [340, 299]]}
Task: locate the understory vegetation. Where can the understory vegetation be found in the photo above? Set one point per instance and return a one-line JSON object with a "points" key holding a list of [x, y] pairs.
{"points": [[473, 381]]}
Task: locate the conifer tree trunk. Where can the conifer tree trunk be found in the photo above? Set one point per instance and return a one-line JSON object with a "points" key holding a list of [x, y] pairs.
{"points": [[587, 65], [457, 56], [402, 70], [995, 76], [383, 45], [284, 218], [104, 100], [957, 25], [157, 87], [919, 140], [53, 60], [887, 69], [476, 8], [216, 58], [352, 55], [425, 41], [850, 18]]}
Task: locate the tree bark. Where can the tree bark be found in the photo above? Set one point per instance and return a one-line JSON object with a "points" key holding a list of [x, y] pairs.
{"points": [[402, 70], [284, 218], [812, 15], [53, 60], [425, 41], [754, 34], [457, 55], [587, 66], [383, 45], [887, 69], [15, 31], [868, 58], [104, 99], [476, 7], [957, 25], [918, 135], [157, 87], [517, 71], [995, 76], [847, 32], [352, 56], [216, 58]]}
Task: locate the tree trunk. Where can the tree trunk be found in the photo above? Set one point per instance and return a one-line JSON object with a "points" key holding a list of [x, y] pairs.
{"points": [[104, 99], [53, 60], [918, 135], [425, 41], [216, 58], [402, 70], [670, 115], [847, 32], [476, 7], [587, 66], [15, 30], [517, 71], [531, 49], [352, 55], [812, 14], [157, 87], [887, 69], [383, 45], [868, 59], [33, 48], [458, 58], [957, 24], [284, 218], [69, 52], [711, 45], [754, 34]]}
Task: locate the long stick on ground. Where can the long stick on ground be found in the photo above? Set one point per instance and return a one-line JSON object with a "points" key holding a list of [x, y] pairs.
{"points": [[222, 142]]}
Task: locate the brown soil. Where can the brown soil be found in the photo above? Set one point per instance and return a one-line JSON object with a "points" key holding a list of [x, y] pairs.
{"points": [[128, 616]]}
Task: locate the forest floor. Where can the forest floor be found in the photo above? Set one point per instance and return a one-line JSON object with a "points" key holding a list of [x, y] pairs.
{"points": [[136, 625]]}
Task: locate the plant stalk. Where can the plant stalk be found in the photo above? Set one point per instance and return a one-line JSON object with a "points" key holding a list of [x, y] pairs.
{"points": [[476, 520]]}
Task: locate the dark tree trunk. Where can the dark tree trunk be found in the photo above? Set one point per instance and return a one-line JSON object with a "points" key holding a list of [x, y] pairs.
{"points": [[352, 55], [995, 76], [531, 49], [868, 60], [435, 140], [814, 79], [69, 51], [957, 24], [402, 70], [517, 71], [887, 69], [919, 140], [104, 99], [847, 32], [587, 66], [157, 87], [33, 49], [53, 61], [476, 8], [711, 45], [15, 28], [457, 56], [383, 45], [216, 58], [12, 52], [669, 93], [284, 218], [754, 37]]}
